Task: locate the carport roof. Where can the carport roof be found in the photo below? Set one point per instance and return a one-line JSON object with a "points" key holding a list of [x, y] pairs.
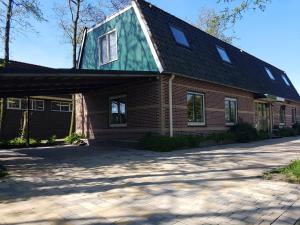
{"points": [[48, 81]]}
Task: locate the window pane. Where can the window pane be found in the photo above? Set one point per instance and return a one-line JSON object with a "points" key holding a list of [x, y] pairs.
{"points": [[113, 50], [285, 80], [282, 114], [233, 111], [118, 111], [55, 106], [37, 105], [269, 73], [103, 50], [190, 107], [14, 103], [198, 108], [223, 54], [180, 37], [65, 107], [227, 111]]}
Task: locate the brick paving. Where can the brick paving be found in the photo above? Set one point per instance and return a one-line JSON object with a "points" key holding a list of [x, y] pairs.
{"points": [[90, 185]]}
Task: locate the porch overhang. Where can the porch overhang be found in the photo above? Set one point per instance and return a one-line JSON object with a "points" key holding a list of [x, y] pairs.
{"points": [[15, 83], [269, 98]]}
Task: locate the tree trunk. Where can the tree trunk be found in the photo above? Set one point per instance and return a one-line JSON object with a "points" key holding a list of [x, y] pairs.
{"points": [[74, 46], [2, 117], [7, 32]]}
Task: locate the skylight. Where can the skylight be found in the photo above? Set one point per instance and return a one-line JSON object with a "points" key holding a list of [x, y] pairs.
{"points": [[285, 80], [179, 36], [223, 54], [269, 73]]}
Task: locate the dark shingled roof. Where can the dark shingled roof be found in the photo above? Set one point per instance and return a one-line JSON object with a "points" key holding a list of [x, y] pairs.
{"points": [[202, 61]]}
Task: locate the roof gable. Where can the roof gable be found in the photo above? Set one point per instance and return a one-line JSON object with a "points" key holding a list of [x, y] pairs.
{"points": [[202, 60]]}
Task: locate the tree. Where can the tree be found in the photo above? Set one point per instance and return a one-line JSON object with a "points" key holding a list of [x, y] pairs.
{"points": [[73, 17], [16, 15], [232, 14], [213, 24]]}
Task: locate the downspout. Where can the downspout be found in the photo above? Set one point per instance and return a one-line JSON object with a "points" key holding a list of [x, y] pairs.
{"points": [[171, 105]]}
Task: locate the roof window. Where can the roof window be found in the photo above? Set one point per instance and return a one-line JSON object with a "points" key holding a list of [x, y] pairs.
{"points": [[269, 73], [285, 80], [179, 36], [223, 54]]}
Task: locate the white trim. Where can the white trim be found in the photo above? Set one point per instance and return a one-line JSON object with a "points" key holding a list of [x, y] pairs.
{"points": [[204, 110], [12, 108], [20, 104], [147, 34], [81, 48], [109, 105], [109, 18], [60, 103], [108, 47]]}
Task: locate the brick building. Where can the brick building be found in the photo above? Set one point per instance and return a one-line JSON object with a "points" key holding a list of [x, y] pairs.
{"points": [[199, 83]]}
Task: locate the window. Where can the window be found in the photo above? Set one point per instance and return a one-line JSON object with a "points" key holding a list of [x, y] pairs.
{"points": [[118, 111], [223, 54], [269, 73], [282, 115], [294, 115], [21, 104], [179, 36], [230, 111], [196, 109], [108, 47], [285, 80], [14, 103], [61, 106]]}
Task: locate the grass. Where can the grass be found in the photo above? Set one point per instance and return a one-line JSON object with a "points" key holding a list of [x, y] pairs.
{"points": [[290, 173]]}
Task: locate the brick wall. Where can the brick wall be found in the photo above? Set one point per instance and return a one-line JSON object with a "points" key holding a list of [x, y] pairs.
{"points": [[148, 108]]}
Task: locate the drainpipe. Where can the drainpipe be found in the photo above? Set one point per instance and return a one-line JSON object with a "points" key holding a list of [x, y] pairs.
{"points": [[171, 104]]}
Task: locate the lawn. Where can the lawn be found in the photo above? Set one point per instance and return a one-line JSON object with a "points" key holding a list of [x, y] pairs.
{"points": [[290, 173]]}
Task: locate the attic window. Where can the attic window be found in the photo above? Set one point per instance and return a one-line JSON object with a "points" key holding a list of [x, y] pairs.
{"points": [[285, 80], [223, 54], [179, 36], [269, 73]]}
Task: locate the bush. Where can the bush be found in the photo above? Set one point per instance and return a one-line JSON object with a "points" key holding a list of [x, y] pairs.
{"points": [[262, 135], [244, 132], [73, 138], [166, 143], [296, 127], [287, 132], [21, 142], [51, 140], [221, 138]]}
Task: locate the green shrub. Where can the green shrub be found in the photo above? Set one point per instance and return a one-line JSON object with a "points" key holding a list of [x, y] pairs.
{"points": [[3, 171], [287, 132], [244, 132], [73, 138], [296, 127], [262, 135], [51, 140], [166, 143], [21, 142], [220, 138]]}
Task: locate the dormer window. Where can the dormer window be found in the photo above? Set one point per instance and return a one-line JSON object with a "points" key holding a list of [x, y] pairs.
{"points": [[108, 48], [285, 80], [179, 36], [270, 73], [223, 54]]}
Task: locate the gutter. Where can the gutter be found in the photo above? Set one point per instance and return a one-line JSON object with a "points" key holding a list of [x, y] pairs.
{"points": [[81, 48], [171, 104]]}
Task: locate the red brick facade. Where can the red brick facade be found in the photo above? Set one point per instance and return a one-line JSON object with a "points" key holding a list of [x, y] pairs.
{"points": [[148, 108]]}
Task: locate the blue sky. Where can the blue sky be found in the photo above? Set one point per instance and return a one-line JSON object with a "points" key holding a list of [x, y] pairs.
{"points": [[273, 35]]}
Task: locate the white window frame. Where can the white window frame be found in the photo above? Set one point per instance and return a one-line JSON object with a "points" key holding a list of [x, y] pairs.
{"points": [[269, 72], [14, 108], [31, 104], [236, 113], [195, 124], [223, 50], [126, 108], [107, 46], [60, 103], [284, 78]]}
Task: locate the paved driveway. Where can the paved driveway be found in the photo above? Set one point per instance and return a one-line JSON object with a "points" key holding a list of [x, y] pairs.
{"points": [[219, 185]]}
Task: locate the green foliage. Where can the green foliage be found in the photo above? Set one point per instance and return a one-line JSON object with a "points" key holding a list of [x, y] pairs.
{"points": [[291, 172], [73, 138], [21, 142], [244, 132], [287, 132], [296, 127], [262, 135], [3, 171], [51, 140]]}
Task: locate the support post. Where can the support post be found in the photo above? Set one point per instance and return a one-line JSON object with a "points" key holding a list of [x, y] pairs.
{"points": [[171, 105], [27, 120]]}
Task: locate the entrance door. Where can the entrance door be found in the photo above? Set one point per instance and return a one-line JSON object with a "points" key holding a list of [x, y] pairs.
{"points": [[262, 115]]}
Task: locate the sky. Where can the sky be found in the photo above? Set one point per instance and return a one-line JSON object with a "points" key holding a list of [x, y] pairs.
{"points": [[272, 35]]}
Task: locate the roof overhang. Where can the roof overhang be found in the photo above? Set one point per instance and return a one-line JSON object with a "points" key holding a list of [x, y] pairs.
{"points": [[64, 81], [269, 98]]}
